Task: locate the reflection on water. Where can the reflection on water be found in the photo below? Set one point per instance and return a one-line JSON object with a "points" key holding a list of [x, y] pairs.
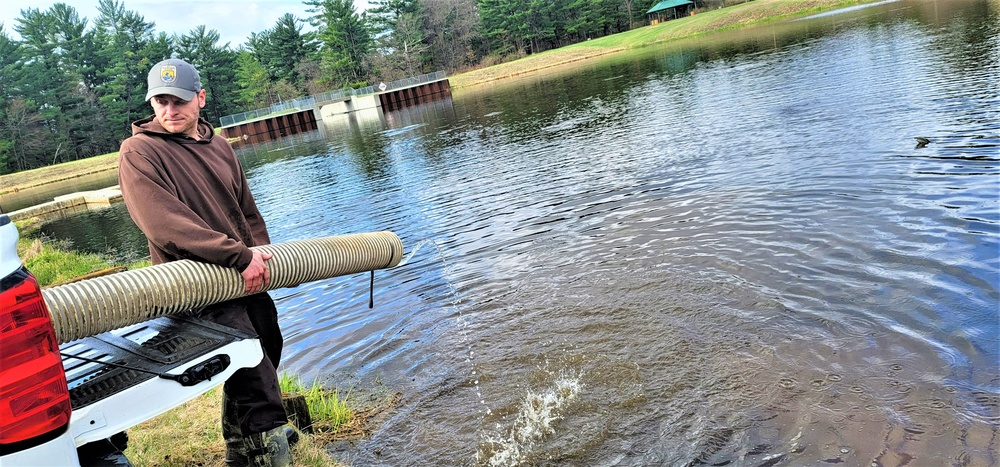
{"points": [[109, 232], [698, 254]]}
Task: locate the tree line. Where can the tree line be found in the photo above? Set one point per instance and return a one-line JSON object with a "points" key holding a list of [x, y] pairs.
{"points": [[70, 89]]}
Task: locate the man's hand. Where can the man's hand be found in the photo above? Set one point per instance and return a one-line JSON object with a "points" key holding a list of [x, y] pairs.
{"points": [[257, 276]]}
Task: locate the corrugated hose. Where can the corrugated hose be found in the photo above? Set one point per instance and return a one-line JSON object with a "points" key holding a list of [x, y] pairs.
{"points": [[92, 306]]}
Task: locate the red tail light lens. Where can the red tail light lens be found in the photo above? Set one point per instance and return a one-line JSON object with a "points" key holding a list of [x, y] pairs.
{"points": [[34, 399]]}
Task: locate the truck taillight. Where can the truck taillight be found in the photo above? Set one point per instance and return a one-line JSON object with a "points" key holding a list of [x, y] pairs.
{"points": [[34, 399]]}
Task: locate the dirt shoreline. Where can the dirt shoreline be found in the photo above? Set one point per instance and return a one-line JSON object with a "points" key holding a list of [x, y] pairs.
{"points": [[745, 14]]}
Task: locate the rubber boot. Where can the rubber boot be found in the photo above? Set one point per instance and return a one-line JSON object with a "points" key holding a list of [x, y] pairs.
{"points": [[268, 449], [292, 435], [236, 452]]}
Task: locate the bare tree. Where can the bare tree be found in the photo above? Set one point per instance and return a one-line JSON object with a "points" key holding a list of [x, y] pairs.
{"points": [[409, 43], [23, 128], [452, 33]]}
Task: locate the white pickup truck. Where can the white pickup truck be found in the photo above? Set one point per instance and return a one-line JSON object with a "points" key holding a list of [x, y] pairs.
{"points": [[70, 404]]}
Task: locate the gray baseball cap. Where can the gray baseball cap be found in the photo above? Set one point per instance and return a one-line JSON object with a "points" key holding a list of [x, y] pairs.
{"points": [[175, 77]]}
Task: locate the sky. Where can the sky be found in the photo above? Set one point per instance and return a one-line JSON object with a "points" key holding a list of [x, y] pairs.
{"points": [[234, 20]]}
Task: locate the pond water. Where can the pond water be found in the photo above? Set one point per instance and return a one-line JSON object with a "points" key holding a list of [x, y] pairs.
{"points": [[726, 251]]}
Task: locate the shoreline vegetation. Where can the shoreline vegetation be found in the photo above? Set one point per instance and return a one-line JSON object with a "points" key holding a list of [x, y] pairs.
{"points": [[732, 17], [190, 434]]}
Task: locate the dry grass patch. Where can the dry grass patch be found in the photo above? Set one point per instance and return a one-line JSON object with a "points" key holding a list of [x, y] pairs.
{"points": [[188, 435], [192, 435]]}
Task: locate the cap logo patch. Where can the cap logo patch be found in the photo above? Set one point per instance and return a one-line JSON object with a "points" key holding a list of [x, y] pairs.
{"points": [[168, 73]]}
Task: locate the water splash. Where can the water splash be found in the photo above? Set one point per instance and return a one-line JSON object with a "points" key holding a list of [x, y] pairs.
{"points": [[534, 421]]}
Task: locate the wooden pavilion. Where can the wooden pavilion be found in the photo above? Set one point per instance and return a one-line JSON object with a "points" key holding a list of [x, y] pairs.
{"points": [[667, 10]]}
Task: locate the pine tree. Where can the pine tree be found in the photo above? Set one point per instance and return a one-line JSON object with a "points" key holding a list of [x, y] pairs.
{"points": [[253, 80], [291, 46], [12, 107], [345, 41], [127, 44], [281, 49], [385, 13], [54, 82], [217, 67]]}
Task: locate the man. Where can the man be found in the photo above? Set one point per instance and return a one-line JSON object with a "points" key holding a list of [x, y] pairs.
{"points": [[185, 189]]}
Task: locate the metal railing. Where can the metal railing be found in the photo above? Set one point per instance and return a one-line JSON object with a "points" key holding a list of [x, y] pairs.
{"points": [[278, 108], [407, 82], [309, 102]]}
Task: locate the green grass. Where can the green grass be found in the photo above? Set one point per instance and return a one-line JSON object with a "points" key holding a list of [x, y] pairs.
{"points": [[52, 266], [12, 183], [326, 408], [53, 262]]}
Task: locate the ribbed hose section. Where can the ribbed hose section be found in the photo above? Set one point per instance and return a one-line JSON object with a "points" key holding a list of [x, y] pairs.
{"points": [[90, 307]]}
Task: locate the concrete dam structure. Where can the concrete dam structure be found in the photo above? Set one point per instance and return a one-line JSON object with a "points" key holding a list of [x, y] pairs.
{"points": [[304, 114]]}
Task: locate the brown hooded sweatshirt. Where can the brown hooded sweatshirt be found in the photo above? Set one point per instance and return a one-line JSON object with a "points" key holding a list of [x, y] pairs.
{"points": [[190, 197]]}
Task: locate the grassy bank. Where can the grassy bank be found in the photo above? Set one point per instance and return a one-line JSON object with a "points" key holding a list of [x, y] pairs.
{"points": [[745, 14], [12, 183], [191, 434], [53, 262], [755, 12]]}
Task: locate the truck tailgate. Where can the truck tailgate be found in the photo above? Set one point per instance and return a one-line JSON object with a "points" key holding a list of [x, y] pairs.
{"points": [[116, 384]]}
